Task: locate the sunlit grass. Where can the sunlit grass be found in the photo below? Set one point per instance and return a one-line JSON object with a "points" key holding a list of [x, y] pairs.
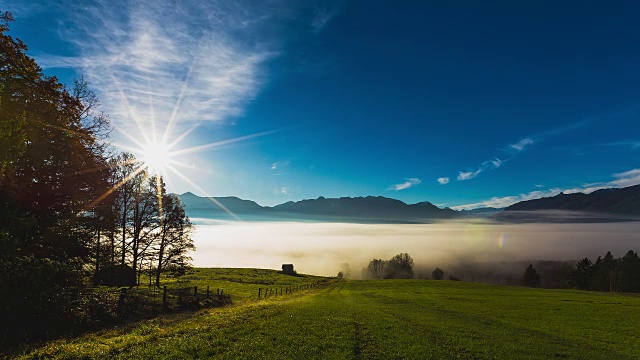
{"points": [[403, 319], [240, 284]]}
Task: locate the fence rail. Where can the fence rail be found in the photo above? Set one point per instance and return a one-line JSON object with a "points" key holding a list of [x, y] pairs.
{"points": [[151, 299], [264, 293]]}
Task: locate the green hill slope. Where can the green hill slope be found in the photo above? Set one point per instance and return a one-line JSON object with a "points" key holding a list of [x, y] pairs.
{"points": [[399, 319]]}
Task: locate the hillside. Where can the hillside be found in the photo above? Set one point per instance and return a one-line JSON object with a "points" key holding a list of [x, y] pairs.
{"points": [[624, 201], [383, 319]]}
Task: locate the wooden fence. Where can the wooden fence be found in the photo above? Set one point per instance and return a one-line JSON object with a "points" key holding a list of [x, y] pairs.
{"points": [[284, 290]]}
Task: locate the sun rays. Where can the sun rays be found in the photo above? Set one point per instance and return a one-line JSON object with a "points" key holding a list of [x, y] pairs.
{"points": [[156, 154]]}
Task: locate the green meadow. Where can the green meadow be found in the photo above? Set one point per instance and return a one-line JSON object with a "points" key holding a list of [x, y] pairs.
{"points": [[241, 284], [379, 319]]}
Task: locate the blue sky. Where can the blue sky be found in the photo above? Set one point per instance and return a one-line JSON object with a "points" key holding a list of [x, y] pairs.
{"points": [[463, 104]]}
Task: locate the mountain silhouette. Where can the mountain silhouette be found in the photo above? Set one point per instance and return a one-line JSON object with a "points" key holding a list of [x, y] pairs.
{"points": [[606, 204], [356, 209], [623, 201]]}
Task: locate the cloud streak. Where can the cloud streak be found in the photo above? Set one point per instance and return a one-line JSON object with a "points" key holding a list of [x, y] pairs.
{"points": [[623, 179], [487, 165], [159, 63], [323, 16], [279, 164], [410, 182], [443, 180], [631, 144], [522, 144], [512, 150]]}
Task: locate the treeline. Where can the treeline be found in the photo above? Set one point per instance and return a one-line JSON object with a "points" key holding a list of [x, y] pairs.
{"points": [[398, 267], [72, 210], [604, 274], [607, 273]]}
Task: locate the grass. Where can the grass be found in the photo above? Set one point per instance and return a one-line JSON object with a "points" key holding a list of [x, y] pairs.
{"points": [[385, 319], [241, 284]]}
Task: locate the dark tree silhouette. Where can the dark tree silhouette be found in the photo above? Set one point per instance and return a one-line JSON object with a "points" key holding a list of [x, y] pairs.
{"points": [[630, 277], [531, 278], [51, 169], [376, 269], [437, 274], [581, 276], [174, 238], [399, 267], [67, 206]]}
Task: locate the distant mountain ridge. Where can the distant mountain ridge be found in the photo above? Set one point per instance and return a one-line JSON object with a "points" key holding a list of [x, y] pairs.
{"points": [[379, 209], [625, 201], [368, 209], [371, 207]]}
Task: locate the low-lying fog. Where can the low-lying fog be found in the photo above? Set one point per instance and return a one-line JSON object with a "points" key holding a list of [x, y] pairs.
{"points": [[320, 248]]}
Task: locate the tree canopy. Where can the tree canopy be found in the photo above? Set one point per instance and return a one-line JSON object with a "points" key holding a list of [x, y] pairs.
{"points": [[69, 205]]}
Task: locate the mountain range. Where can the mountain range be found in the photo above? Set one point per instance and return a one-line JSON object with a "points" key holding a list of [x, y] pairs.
{"points": [[346, 209], [600, 205]]}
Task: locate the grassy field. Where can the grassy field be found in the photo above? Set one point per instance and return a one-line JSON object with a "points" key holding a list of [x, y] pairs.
{"points": [[385, 319], [241, 284]]}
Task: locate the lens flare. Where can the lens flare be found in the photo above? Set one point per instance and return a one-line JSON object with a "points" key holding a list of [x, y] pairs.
{"points": [[502, 241]]}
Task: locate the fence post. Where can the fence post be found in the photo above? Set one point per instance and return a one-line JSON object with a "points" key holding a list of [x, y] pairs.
{"points": [[207, 291], [221, 293], [164, 297], [195, 291], [121, 300], [259, 291]]}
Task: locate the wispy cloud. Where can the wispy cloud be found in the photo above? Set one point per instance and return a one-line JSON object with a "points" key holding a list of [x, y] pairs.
{"points": [[500, 202], [512, 150], [487, 165], [623, 179], [630, 143], [410, 182], [279, 164], [165, 63], [443, 180], [322, 17], [522, 144], [468, 175]]}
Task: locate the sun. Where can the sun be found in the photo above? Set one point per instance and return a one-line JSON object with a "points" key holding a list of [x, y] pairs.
{"points": [[156, 156]]}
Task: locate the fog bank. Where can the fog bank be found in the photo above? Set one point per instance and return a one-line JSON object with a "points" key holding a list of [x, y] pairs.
{"points": [[320, 248]]}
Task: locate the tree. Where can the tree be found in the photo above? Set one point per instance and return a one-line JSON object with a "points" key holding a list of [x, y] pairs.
{"points": [[174, 240], [437, 274], [400, 267], [345, 269], [340, 275], [51, 171], [581, 276], [531, 278], [376, 269], [630, 268]]}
